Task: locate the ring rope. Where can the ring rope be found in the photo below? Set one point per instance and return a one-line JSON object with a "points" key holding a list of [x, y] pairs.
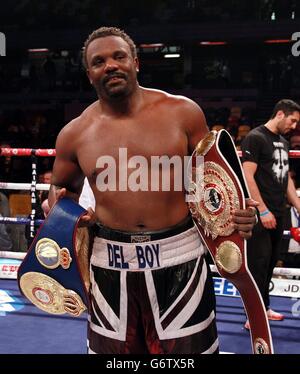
{"points": [[277, 271], [33, 187], [27, 152], [19, 220], [293, 153], [25, 221], [52, 152], [23, 186]]}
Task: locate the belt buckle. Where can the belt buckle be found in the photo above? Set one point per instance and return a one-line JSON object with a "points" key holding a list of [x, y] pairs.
{"points": [[140, 238]]}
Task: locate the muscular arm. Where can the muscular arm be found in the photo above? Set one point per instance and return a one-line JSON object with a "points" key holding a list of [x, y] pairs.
{"points": [[67, 177], [292, 194], [196, 126]]}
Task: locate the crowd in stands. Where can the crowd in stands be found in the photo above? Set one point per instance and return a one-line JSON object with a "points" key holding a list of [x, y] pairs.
{"points": [[46, 14]]}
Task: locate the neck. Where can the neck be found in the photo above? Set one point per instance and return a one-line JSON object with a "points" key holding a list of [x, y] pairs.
{"points": [[122, 105], [272, 126]]}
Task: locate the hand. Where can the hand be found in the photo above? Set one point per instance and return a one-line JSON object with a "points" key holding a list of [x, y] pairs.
{"points": [[243, 220], [63, 192], [45, 206], [88, 219], [268, 221]]}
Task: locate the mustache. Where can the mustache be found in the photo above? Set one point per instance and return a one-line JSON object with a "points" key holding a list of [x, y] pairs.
{"points": [[114, 75]]}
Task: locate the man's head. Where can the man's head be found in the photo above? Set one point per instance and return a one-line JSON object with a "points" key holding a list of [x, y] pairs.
{"points": [[295, 139], [286, 116], [110, 59], [47, 176], [102, 32]]}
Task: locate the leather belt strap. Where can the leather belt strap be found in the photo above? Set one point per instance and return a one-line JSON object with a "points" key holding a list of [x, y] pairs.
{"points": [[217, 188], [50, 275]]}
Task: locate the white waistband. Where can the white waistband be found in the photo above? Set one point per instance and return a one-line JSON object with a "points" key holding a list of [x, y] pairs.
{"points": [[148, 255]]}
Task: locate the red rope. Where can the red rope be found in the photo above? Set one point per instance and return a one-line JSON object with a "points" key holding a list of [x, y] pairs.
{"points": [[27, 152], [52, 152], [292, 154]]}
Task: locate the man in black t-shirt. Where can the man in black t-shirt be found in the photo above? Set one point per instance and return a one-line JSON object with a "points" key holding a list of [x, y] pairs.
{"points": [[266, 167]]}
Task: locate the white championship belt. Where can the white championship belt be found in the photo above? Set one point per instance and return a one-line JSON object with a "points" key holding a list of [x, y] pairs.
{"points": [[216, 189]]}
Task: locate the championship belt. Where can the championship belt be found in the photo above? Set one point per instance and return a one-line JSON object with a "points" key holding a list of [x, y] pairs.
{"points": [[216, 189], [54, 273]]}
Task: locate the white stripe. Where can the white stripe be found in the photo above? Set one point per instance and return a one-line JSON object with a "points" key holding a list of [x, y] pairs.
{"points": [[192, 304], [118, 324], [213, 347], [189, 330], [162, 334], [96, 315], [123, 305], [104, 306], [108, 333], [182, 292]]}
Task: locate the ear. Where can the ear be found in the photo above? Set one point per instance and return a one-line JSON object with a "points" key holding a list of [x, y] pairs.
{"points": [[137, 64], [280, 114]]}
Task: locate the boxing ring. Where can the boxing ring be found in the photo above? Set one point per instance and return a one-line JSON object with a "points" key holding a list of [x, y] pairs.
{"points": [[26, 329]]}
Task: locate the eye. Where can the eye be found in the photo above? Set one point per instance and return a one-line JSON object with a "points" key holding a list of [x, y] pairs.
{"points": [[120, 56], [97, 61]]}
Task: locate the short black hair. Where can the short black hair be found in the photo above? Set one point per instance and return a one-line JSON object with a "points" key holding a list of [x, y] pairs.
{"points": [[287, 106], [102, 32]]}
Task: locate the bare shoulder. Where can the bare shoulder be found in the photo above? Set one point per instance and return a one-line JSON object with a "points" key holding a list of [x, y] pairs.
{"points": [[71, 133], [73, 129], [185, 112], [182, 105]]}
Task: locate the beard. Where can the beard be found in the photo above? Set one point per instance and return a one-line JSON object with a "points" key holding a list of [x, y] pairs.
{"points": [[113, 89], [282, 127]]}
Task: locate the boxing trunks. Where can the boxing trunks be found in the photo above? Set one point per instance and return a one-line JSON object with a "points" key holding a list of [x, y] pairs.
{"points": [[151, 293]]}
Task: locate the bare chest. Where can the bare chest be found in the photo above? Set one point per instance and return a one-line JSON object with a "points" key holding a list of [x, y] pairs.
{"points": [[125, 140]]}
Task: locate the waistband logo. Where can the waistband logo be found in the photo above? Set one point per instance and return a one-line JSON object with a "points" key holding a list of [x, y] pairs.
{"points": [[146, 256]]}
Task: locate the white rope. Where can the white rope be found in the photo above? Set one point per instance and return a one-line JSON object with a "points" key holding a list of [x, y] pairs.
{"points": [[23, 186], [277, 271], [12, 255]]}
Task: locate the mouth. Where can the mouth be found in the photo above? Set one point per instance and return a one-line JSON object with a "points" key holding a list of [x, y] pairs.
{"points": [[114, 79]]}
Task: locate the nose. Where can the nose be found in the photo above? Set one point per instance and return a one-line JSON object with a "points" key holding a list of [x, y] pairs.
{"points": [[294, 125], [110, 65]]}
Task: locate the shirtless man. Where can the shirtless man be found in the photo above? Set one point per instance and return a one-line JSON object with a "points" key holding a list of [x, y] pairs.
{"points": [[150, 288]]}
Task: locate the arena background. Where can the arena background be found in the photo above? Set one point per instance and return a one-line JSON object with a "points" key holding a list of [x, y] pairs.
{"points": [[234, 58]]}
